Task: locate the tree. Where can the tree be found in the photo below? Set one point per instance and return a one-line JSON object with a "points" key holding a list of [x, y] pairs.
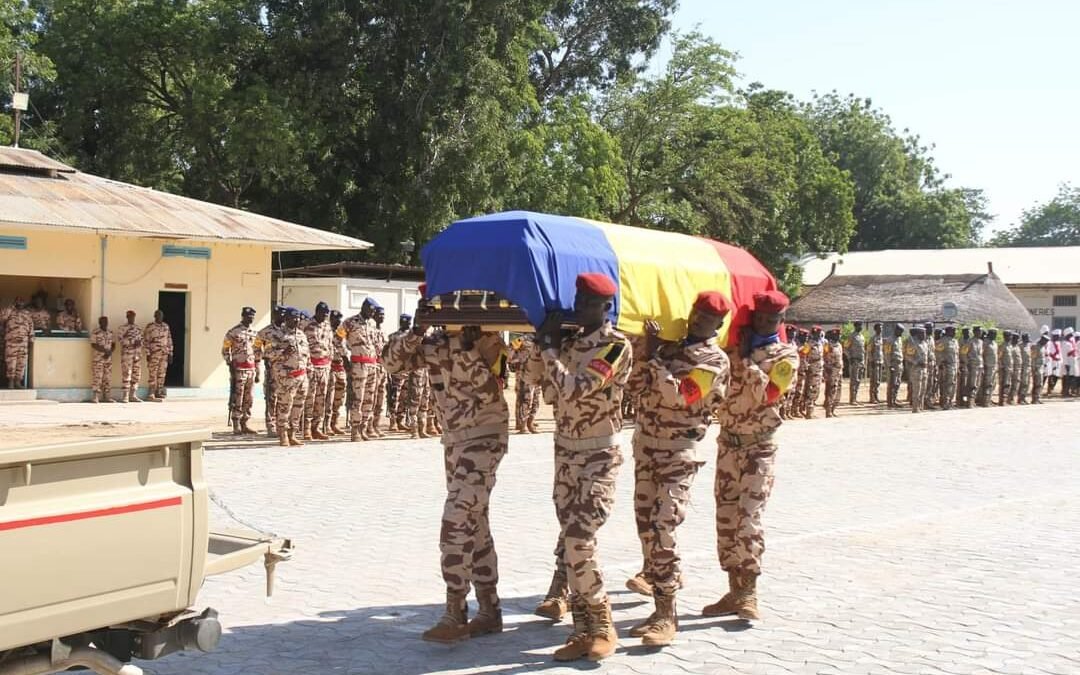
{"points": [[1055, 223], [18, 35]]}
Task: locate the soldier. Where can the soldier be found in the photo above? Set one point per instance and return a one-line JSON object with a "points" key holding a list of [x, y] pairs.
{"points": [[875, 357], [586, 373], [930, 392], [18, 334], [680, 388], [855, 348], [789, 403], [399, 381], [917, 355], [761, 371], [39, 313], [419, 408], [130, 338], [1023, 374], [962, 367], [894, 354], [69, 319], [975, 366], [320, 337], [359, 334], [238, 351], [990, 368], [338, 377], [102, 343], [527, 395], [264, 340], [1053, 360], [812, 353], [1038, 364], [833, 367], [290, 356], [947, 358], [157, 340], [471, 364], [5, 312], [379, 407], [1004, 381]]}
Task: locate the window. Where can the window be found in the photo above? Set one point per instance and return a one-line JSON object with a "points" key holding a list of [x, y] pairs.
{"points": [[1063, 322], [1064, 301]]}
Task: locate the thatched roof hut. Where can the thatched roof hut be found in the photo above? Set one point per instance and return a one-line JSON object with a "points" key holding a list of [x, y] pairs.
{"points": [[961, 299]]}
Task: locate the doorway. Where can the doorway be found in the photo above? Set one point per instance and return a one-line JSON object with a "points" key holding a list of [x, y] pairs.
{"points": [[174, 305]]}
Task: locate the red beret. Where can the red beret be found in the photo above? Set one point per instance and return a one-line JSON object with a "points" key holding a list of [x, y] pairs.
{"points": [[712, 302], [770, 302], [423, 290], [595, 283], [817, 328]]}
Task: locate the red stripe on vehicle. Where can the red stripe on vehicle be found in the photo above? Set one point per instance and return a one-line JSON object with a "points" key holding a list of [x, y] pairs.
{"points": [[97, 513]]}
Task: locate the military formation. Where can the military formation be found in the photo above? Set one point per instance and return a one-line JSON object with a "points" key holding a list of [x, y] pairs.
{"points": [[940, 368]]}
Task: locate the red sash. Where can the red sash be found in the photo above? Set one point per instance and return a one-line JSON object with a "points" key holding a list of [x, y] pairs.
{"points": [[321, 361], [243, 365], [364, 359], [299, 372]]}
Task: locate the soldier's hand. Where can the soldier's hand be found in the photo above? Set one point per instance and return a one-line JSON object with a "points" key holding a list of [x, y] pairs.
{"points": [[652, 337], [744, 342], [257, 376], [549, 334], [469, 336]]}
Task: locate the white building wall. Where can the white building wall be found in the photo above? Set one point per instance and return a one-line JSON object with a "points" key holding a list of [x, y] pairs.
{"points": [[1040, 301], [348, 294]]}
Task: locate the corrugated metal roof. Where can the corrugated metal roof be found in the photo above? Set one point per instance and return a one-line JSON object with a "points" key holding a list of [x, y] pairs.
{"points": [[21, 158], [1046, 266], [83, 202], [354, 268]]}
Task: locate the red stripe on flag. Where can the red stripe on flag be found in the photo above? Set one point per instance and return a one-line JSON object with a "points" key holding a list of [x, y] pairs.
{"points": [[748, 276], [97, 513]]}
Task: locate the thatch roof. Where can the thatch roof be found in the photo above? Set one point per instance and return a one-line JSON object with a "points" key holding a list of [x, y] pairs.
{"points": [[912, 298]]}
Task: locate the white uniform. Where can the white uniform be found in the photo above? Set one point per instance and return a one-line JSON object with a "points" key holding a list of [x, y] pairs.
{"points": [[1053, 355]]}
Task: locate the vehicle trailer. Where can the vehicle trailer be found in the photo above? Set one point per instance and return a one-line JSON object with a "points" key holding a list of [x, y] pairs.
{"points": [[104, 546]]}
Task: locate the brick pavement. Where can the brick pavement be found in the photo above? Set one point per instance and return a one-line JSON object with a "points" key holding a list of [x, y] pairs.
{"points": [[937, 543]]}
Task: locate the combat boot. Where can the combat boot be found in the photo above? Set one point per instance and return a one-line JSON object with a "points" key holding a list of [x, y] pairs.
{"points": [[489, 618], [661, 631], [283, 439], [236, 428], [127, 397], [531, 426], [603, 638], [579, 642], [293, 440], [334, 427], [96, 399], [245, 428], [555, 603], [725, 605], [746, 604], [432, 429], [393, 426], [520, 426], [354, 432], [453, 626], [639, 584], [134, 396], [317, 434]]}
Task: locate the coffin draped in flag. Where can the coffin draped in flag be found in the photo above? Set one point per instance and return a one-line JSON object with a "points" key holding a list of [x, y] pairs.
{"points": [[532, 260]]}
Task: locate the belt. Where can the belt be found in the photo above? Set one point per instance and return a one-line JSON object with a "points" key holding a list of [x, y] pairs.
{"points": [[243, 365], [321, 361], [299, 372], [739, 440], [580, 444], [337, 367], [364, 359], [472, 433], [665, 443]]}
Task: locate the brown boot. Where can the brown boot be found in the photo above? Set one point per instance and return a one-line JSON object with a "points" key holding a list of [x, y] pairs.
{"points": [[531, 425], [317, 434], [489, 618], [431, 430], [453, 626], [134, 397], [520, 426], [577, 645], [555, 603], [127, 397], [283, 439], [96, 399], [725, 605], [334, 427], [293, 440], [354, 432], [236, 428], [245, 428], [603, 638], [662, 630], [747, 607], [639, 584]]}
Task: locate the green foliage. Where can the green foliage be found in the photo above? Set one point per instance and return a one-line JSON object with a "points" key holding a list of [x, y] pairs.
{"points": [[19, 35], [1055, 223]]}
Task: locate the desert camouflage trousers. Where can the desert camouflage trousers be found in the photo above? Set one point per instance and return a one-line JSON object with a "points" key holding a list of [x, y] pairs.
{"points": [[833, 388], [973, 383], [1016, 380], [131, 370], [291, 394], [584, 495], [917, 380], [243, 382], [339, 382], [378, 408], [101, 374], [364, 376], [987, 384], [527, 400], [16, 354], [157, 364], [892, 388], [1022, 383], [856, 372], [946, 376], [466, 548], [744, 481], [1004, 383], [876, 373], [662, 482], [930, 391], [318, 390], [811, 386]]}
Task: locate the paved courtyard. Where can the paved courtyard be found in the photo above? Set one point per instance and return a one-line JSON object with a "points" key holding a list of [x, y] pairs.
{"points": [[898, 543]]}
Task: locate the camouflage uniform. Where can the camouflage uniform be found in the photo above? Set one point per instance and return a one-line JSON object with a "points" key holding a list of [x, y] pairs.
{"points": [[290, 355], [157, 341], [339, 380], [990, 371], [527, 395], [1038, 362], [875, 356], [264, 342], [917, 356], [359, 336], [69, 321], [586, 378], [101, 364], [1017, 359], [1005, 368], [382, 379], [791, 403], [930, 391], [833, 368], [746, 453], [18, 334], [5, 312], [1024, 378], [962, 349], [320, 337], [893, 349], [238, 350], [474, 440], [399, 384], [678, 391], [812, 353], [41, 318], [855, 348], [948, 351], [130, 338]]}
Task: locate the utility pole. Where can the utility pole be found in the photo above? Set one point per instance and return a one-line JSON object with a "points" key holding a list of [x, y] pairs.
{"points": [[18, 86]]}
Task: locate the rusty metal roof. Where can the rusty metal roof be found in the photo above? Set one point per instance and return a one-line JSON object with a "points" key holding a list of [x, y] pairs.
{"points": [[21, 158], [79, 201]]}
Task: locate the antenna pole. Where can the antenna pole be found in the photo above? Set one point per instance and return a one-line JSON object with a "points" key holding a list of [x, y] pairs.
{"points": [[18, 86]]}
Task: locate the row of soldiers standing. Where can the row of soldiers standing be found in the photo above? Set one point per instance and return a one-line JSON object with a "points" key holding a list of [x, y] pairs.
{"points": [[941, 369]]}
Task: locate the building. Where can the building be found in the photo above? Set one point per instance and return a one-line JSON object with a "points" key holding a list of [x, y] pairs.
{"points": [[1046, 280], [346, 285], [112, 247]]}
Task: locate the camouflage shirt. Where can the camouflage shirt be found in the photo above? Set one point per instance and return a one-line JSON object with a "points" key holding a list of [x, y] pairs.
{"points": [[875, 349], [586, 378], [130, 337], [1037, 356], [948, 350], [894, 351], [41, 318], [972, 352], [916, 354], [855, 347], [752, 405], [679, 389], [1024, 354], [360, 338], [105, 339], [68, 321], [320, 337], [990, 354], [20, 327], [290, 353], [833, 358], [264, 341], [157, 339], [466, 382], [340, 351], [239, 345]]}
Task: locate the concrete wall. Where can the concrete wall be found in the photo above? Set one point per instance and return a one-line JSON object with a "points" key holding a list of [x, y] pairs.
{"points": [[348, 295], [1040, 302], [135, 271]]}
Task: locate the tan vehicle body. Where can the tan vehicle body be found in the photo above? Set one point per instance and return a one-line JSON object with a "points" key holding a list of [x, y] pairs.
{"points": [[108, 542]]}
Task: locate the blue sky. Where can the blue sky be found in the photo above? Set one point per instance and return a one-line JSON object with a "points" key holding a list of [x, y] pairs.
{"points": [[993, 84]]}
